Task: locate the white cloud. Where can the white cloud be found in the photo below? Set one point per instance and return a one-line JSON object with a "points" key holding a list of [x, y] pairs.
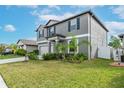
{"points": [[55, 17], [115, 27], [86, 6], [28, 6], [9, 28], [119, 11], [54, 6], [45, 14]]}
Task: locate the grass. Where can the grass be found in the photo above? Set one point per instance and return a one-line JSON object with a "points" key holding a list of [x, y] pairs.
{"points": [[8, 56], [55, 74]]}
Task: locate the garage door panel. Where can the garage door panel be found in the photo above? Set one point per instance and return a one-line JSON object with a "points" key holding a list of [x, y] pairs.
{"points": [[44, 49]]}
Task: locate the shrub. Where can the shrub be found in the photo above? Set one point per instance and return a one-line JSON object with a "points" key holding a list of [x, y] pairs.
{"points": [[50, 56], [32, 56], [36, 52], [21, 52], [77, 58]]}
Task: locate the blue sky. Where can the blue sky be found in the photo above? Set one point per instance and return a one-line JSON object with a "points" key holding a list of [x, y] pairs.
{"points": [[20, 22]]}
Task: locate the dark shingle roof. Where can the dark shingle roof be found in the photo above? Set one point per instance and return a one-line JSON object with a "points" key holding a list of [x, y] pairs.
{"points": [[55, 21], [89, 11], [28, 42]]}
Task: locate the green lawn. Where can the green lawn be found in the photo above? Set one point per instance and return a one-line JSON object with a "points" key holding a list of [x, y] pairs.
{"points": [[56, 74], [8, 56]]}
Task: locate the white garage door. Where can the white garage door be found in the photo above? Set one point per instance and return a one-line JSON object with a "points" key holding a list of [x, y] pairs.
{"points": [[44, 49]]}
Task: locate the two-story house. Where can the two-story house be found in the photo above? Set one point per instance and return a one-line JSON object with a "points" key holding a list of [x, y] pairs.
{"points": [[84, 26]]}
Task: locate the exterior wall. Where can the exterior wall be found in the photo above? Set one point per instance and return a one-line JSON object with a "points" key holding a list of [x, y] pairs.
{"points": [[43, 44], [94, 32], [98, 37], [62, 28], [21, 45], [31, 48], [26, 47], [83, 48]]}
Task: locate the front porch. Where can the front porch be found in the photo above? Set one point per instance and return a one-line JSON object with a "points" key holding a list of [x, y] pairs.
{"points": [[50, 44]]}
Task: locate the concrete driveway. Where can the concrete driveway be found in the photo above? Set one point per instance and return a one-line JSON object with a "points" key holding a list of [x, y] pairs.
{"points": [[2, 83]]}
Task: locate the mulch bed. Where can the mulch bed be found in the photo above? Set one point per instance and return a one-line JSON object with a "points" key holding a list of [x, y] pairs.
{"points": [[117, 64]]}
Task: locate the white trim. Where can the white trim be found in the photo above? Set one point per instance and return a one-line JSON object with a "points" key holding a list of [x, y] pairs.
{"points": [[44, 41], [69, 37], [77, 46], [77, 36]]}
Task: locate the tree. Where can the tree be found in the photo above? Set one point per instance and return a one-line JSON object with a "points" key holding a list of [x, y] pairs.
{"points": [[72, 45], [2, 48], [61, 48], [13, 47], [115, 43]]}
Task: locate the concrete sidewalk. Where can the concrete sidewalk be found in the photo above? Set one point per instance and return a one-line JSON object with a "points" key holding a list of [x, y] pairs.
{"points": [[2, 83], [12, 60]]}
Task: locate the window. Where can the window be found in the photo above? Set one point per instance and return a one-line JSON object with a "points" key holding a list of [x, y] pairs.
{"points": [[72, 49], [51, 31], [74, 24], [41, 33]]}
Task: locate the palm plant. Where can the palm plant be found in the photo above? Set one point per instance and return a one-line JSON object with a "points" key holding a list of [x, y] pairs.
{"points": [[115, 43], [2, 48], [13, 47]]}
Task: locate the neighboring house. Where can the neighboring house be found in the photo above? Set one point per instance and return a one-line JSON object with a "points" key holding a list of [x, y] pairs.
{"points": [[84, 26], [121, 36], [7, 50], [28, 45]]}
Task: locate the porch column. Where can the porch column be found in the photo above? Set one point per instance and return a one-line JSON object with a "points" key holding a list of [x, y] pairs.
{"points": [[49, 46], [56, 42]]}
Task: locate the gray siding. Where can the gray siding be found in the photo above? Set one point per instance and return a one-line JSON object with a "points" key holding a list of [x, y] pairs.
{"points": [[83, 48], [63, 27], [97, 34], [98, 37], [41, 38]]}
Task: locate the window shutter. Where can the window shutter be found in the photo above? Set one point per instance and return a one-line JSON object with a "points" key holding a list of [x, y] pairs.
{"points": [[43, 33], [39, 34], [54, 29], [47, 32], [69, 26], [78, 23]]}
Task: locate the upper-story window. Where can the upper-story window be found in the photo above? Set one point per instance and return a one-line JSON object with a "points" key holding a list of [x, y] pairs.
{"points": [[51, 31], [74, 24], [41, 33]]}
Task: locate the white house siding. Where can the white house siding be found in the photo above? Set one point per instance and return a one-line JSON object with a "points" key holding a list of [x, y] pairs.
{"points": [[98, 37], [21, 45]]}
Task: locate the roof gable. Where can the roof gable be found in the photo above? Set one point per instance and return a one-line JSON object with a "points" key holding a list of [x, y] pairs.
{"points": [[27, 42], [50, 22], [89, 12]]}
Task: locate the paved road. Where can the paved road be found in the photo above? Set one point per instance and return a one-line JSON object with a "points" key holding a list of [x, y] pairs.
{"points": [[2, 83], [3, 61]]}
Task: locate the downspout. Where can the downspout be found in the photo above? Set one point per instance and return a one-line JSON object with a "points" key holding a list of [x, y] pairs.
{"points": [[90, 35]]}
